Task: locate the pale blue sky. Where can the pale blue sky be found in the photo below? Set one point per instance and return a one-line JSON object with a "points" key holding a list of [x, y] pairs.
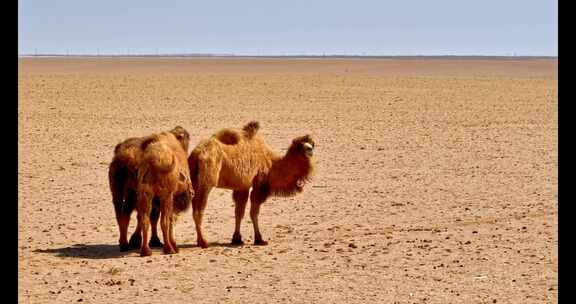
{"points": [[253, 27]]}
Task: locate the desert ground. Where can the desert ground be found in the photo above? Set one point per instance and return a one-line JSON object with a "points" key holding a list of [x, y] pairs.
{"points": [[436, 180]]}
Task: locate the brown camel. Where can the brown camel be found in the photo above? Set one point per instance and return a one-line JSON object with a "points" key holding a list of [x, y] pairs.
{"points": [[122, 176], [163, 173], [239, 160]]}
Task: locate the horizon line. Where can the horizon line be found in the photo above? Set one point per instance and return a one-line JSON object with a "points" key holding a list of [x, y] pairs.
{"points": [[231, 55]]}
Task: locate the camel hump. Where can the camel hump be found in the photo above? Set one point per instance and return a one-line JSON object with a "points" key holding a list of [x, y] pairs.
{"points": [[126, 145], [158, 154], [251, 128], [127, 154], [234, 136], [228, 137]]}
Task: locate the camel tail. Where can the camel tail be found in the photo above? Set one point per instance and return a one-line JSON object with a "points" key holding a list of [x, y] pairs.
{"points": [[158, 155], [251, 128]]}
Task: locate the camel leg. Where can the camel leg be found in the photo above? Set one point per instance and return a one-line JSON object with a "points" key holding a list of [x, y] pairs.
{"points": [[136, 238], [123, 220], [130, 205], [240, 200], [256, 200], [198, 204], [144, 206], [117, 179], [165, 222], [173, 219], [154, 217]]}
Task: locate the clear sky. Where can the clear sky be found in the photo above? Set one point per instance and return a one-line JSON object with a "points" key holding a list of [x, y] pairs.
{"points": [[257, 27]]}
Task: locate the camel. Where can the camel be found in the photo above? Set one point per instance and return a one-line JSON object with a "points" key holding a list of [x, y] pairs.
{"points": [[163, 173], [240, 159], [122, 175]]}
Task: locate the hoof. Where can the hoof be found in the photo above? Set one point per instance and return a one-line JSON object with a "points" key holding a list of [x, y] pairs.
{"points": [[169, 250], [202, 244], [145, 252], [135, 241], [237, 240], [260, 243], [125, 247], [175, 247], [155, 243]]}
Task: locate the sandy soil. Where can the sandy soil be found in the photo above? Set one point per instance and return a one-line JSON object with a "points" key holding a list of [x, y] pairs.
{"points": [[436, 181]]}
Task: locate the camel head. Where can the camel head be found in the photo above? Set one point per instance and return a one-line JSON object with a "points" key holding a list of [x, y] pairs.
{"points": [[290, 173], [182, 135], [302, 146]]}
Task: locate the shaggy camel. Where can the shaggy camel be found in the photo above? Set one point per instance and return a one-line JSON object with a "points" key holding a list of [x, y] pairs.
{"points": [[122, 175], [163, 173], [239, 160]]}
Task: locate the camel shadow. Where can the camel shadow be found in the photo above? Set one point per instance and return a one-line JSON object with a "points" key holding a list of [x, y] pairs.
{"points": [[92, 251], [107, 251], [212, 244]]}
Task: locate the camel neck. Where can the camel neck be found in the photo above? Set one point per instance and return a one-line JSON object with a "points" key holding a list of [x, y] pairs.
{"points": [[290, 162]]}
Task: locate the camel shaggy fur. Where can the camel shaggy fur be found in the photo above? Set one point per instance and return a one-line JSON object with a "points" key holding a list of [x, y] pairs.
{"points": [[163, 173], [122, 175], [240, 159]]}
